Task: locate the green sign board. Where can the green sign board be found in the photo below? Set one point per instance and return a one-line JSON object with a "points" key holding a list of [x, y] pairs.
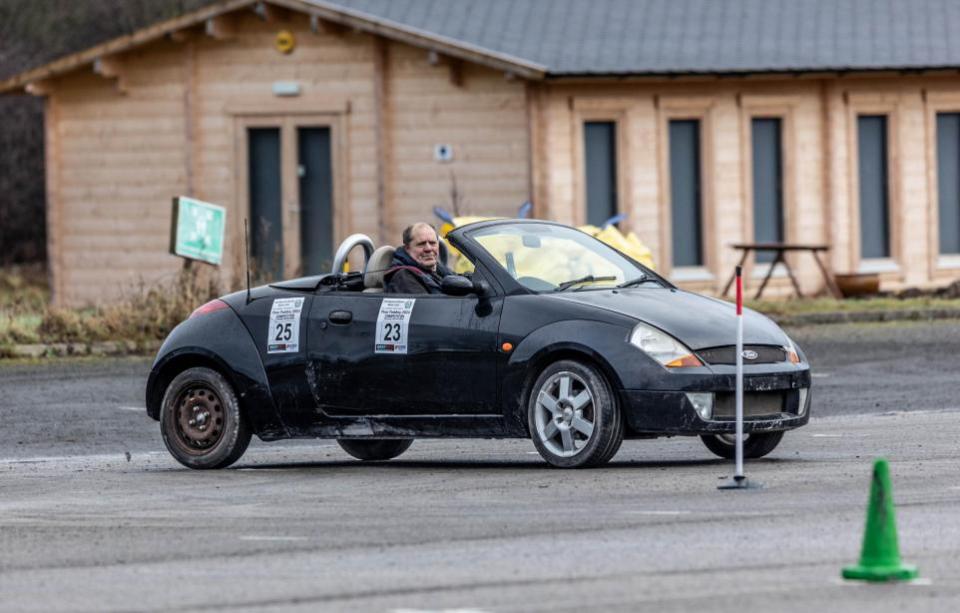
{"points": [[197, 230]]}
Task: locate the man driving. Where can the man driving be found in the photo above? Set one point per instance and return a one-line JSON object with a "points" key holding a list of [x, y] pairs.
{"points": [[416, 266]]}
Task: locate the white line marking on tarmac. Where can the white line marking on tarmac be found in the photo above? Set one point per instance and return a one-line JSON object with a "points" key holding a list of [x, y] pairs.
{"points": [[827, 435], [437, 611], [86, 458], [137, 409], [659, 512], [257, 537], [820, 375]]}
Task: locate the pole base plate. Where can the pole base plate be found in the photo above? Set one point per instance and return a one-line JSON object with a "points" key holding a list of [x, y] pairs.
{"points": [[740, 482]]}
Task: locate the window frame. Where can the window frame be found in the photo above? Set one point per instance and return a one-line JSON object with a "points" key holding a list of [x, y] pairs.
{"points": [[939, 267], [769, 107], [600, 110], [891, 268], [289, 124], [698, 109]]}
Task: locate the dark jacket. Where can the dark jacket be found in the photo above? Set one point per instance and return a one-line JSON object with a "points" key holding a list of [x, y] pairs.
{"points": [[406, 277]]}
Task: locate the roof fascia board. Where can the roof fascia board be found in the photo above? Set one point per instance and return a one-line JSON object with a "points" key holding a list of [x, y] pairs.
{"points": [[418, 38], [121, 44]]}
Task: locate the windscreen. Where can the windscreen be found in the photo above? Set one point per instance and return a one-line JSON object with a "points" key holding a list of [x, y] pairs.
{"points": [[545, 257]]}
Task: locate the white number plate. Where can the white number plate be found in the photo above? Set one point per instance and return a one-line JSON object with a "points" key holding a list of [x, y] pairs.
{"points": [[392, 325], [284, 333]]}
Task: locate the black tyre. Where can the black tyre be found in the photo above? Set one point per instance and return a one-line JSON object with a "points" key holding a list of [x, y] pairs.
{"points": [[755, 445], [374, 450], [200, 420], [573, 416]]}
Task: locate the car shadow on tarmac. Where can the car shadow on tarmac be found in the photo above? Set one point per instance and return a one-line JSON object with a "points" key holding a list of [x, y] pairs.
{"points": [[416, 465]]}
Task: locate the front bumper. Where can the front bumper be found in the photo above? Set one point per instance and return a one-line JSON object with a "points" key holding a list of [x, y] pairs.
{"points": [[659, 412]]}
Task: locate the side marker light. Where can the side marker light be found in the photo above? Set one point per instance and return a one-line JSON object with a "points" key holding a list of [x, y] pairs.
{"points": [[684, 362], [507, 347]]}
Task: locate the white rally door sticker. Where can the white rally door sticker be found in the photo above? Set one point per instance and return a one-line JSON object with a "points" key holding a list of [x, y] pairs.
{"points": [[284, 333], [393, 323]]}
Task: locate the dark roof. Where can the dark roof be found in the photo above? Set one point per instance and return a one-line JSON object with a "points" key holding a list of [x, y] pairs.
{"points": [[621, 37]]}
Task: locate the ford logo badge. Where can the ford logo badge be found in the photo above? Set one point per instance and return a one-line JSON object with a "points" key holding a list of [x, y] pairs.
{"points": [[750, 354]]}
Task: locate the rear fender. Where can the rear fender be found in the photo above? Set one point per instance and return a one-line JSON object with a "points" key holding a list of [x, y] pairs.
{"points": [[220, 341]]}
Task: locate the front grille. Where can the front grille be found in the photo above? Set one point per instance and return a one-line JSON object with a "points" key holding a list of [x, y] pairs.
{"points": [[766, 354], [755, 405]]}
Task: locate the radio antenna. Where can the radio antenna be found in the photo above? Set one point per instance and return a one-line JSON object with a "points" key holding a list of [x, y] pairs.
{"points": [[246, 253]]}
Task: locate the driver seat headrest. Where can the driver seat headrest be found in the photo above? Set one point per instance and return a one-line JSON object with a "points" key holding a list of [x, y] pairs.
{"points": [[378, 265]]}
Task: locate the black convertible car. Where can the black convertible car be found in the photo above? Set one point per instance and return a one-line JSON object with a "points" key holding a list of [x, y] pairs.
{"points": [[549, 334]]}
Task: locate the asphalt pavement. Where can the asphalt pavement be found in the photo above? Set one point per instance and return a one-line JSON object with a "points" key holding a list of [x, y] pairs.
{"points": [[97, 517]]}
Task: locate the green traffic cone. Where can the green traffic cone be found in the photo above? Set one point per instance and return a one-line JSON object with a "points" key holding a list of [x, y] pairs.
{"points": [[880, 557]]}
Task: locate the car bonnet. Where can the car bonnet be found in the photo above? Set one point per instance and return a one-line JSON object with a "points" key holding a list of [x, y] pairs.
{"points": [[697, 321]]}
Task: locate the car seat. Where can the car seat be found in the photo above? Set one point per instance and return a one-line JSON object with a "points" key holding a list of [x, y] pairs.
{"points": [[378, 265]]}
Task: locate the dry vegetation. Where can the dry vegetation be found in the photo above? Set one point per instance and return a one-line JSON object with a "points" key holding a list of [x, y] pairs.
{"points": [[145, 315]]}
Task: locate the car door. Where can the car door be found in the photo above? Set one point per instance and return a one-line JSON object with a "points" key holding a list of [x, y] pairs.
{"points": [[390, 354]]}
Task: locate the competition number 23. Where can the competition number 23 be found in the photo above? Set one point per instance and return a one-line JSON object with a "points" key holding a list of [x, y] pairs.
{"points": [[393, 323]]}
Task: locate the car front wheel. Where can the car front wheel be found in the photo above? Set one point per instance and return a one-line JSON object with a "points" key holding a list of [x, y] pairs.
{"points": [[375, 450], [573, 417], [755, 445], [200, 420]]}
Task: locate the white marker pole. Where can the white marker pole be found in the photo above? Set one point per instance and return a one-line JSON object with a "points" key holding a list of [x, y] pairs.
{"points": [[738, 475], [739, 481]]}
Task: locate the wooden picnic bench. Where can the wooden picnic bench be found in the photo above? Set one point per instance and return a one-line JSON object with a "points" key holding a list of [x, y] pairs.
{"points": [[780, 249]]}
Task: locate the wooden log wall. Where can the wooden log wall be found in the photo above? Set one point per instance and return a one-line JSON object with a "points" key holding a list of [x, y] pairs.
{"points": [[135, 129], [818, 115]]}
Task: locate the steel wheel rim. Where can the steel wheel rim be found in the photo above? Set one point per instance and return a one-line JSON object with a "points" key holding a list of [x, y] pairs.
{"points": [[565, 414], [198, 419]]}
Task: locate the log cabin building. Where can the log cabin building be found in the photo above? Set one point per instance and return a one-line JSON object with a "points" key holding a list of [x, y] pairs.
{"points": [[707, 123]]}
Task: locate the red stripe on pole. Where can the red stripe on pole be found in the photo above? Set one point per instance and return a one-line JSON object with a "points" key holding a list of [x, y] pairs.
{"points": [[739, 291]]}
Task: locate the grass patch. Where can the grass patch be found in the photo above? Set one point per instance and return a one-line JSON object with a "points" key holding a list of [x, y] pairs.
{"points": [[831, 305], [23, 289], [144, 314]]}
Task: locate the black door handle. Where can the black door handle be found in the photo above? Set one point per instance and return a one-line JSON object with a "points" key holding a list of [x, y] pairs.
{"points": [[341, 317]]}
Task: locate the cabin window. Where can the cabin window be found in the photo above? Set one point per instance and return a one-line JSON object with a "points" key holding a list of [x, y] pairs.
{"points": [[600, 163], [874, 186], [767, 183], [948, 181], [685, 193]]}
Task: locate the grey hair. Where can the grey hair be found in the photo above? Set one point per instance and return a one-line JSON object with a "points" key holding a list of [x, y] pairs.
{"points": [[408, 232]]}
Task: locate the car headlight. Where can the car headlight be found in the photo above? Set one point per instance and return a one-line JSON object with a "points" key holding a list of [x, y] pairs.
{"points": [[662, 347], [792, 355]]}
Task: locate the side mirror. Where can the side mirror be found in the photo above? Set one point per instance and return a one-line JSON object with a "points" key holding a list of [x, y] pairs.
{"points": [[455, 285]]}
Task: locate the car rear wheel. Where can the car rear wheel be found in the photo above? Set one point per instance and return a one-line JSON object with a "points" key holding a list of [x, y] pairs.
{"points": [[755, 445], [385, 449], [200, 420], [573, 417]]}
